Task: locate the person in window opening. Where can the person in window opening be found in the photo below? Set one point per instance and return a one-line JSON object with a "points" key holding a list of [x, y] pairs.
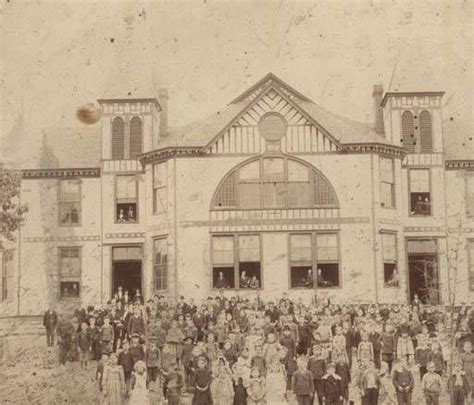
{"points": [[393, 281], [121, 216], [308, 281], [221, 282], [321, 281], [131, 213], [254, 283], [244, 280]]}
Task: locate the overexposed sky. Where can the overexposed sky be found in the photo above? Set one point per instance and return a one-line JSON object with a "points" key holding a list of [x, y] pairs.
{"points": [[58, 55]]}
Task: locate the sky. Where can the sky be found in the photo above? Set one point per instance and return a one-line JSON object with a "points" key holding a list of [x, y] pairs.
{"points": [[59, 55]]}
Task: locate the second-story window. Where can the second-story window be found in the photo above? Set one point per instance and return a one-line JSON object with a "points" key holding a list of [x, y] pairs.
{"points": [[69, 202], [387, 183], [126, 199], [420, 194], [160, 188]]}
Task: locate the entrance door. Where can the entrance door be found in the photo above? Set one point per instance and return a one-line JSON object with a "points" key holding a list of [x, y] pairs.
{"points": [[127, 275], [423, 271], [127, 269]]}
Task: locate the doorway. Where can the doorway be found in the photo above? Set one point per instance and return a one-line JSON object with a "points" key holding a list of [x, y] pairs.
{"points": [[424, 280], [127, 269]]}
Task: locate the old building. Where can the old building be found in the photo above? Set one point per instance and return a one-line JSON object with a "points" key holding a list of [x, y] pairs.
{"points": [[271, 194]]}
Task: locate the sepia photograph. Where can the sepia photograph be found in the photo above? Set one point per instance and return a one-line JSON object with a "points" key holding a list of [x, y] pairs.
{"points": [[236, 202]]}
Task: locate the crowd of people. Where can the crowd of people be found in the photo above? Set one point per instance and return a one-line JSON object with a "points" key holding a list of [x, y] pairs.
{"points": [[229, 350]]}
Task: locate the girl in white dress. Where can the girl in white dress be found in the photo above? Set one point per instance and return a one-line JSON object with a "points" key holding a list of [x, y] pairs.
{"points": [[139, 394], [274, 353]]}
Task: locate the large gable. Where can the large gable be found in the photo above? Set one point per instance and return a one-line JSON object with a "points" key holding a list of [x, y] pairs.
{"points": [[310, 128]]}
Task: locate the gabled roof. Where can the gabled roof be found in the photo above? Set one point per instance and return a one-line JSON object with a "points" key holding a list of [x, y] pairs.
{"points": [[201, 133]]}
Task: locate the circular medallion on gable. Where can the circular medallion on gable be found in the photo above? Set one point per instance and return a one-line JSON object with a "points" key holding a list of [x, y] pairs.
{"points": [[272, 126]]}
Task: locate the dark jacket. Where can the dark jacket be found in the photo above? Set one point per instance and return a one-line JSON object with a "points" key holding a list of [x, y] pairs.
{"points": [[136, 325], [137, 353], [403, 380], [126, 361], [84, 339], [317, 367], [302, 383], [332, 386], [50, 320]]}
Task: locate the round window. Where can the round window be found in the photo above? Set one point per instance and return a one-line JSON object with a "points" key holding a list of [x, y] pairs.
{"points": [[272, 127]]}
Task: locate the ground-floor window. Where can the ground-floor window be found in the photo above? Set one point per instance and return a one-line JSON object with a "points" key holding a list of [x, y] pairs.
{"points": [[7, 274], [423, 270], [236, 261], [69, 272], [389, 254], [160, 263], [314, 259]]}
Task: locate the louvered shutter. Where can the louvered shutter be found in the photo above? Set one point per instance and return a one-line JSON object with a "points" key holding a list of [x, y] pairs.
{"points": [[135, 137], [408, 131], [426, 137], [118, 138]]}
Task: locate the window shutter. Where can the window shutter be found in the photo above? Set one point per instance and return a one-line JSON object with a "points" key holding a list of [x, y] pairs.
{"points": [[126, 188], [426, 136], [118, 138], [408, 131], [136, 137]]}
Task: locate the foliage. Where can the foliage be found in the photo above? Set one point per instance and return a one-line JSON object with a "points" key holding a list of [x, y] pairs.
{"points": [[12, 213]]}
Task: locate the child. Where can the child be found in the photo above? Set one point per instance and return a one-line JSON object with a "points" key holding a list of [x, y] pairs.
{"points": [[136, 349], [388, 346], [95, 339], [289, 343], [405, 346], [458, 386], [256, 390], [222, 389], [125, 360], [343, 370], [332, 387], [174, 337], [403, 382], [435, 355], [302, 383], [258, 361], [107, 335], [99, 374], [317, 367], [431, 385], [139, 393], [202, 378], [339, 351], [467, 363], [172, 386], [370, 384], [84, 342], [153, 359], [365, 351], [186, 361], [240, 393], [421, 356], [113, 382]]}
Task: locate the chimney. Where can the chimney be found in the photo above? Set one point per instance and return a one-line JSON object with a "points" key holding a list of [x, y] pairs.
{"points": [[377, 95], [163, 99]]}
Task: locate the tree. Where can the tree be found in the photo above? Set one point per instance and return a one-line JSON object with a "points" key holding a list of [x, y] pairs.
{"points": [[12, 213]]}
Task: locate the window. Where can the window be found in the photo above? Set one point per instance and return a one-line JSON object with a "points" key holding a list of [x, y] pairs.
{"points": [[69, 272], [160, 188], [223, 274], [136, 137], [470, 244], [301, 261], [387, 183], [118, 139], [408, 131], [249, 261], [273, 183], [69, 202], [126, 199], [420, 198], [7, 274], [327, 256], [160, 263], [389, 254], [314, 258], [236, 261], [470, 194], [426, 137]]}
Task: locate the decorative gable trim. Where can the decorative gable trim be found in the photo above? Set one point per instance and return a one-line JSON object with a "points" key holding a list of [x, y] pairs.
{"points": [[304, 135], [59, 173], [379, 149], [270, 80], [168, 153]]}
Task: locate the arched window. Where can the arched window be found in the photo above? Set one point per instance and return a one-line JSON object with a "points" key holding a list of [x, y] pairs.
{"points": [[118, 138], [135, 137], [426, 137], [408, 131], [272, 183]]}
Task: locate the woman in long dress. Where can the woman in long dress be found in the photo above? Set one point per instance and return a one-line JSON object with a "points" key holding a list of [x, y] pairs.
{"points": [[274, 353], [222, 388], [113, 382], [139, 393]]}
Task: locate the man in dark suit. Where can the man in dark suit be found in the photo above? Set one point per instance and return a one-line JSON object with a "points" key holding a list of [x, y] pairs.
{"points": [[50, 321]]}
